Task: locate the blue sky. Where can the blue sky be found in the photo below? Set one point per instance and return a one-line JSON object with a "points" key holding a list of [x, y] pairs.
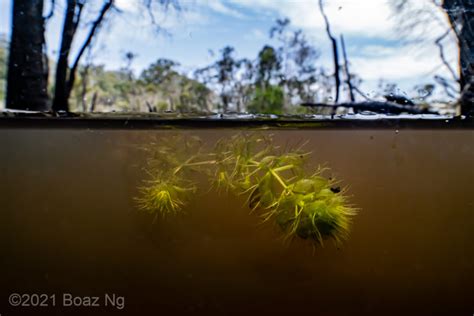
{"points": [[377, 49]]}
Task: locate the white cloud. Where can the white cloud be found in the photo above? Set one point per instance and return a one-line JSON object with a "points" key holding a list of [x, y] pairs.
{"points": [[220, 7], [367, 17], [401, 62], [354, 18], [127, 5], [391, 67], [376, 51], [371, 21]]}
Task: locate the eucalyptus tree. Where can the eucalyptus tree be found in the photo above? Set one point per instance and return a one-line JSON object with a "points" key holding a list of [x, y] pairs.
{"points": [[298, 72]]}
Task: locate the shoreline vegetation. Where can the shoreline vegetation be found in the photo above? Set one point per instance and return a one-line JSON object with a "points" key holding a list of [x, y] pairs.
{"points": [[278, 81]]}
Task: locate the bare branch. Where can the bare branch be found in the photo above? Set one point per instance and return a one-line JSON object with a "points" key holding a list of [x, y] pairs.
{"points": [[95, 27], [362, 94], [148, 5], [448, 88], [346, 68], [415, 22], [442, 55], [334, 50], [165, 3]]}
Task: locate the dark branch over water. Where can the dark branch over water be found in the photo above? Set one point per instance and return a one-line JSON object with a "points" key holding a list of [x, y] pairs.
{"points": [[373, 106]]}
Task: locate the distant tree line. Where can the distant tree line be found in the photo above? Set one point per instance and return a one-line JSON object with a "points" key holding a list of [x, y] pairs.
{"points": [[278, 79], [160, 87], [281, 76]]}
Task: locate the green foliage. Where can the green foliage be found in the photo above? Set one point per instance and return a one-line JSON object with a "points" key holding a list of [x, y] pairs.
{"points": [[287, 69], [158, 88], [226, 65], [3, 67], [269, 64], [274, 181], [3, 59], [159, 72], [269, 100]]}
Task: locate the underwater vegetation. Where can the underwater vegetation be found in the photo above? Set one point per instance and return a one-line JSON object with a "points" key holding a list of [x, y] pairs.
{"points": [[274, 180]]}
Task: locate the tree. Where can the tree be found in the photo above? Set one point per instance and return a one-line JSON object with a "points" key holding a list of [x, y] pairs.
{"points": [[244, 85], [461, 18], [298, 59], [3, 67], [304, 75], [460, 15], [28, 66], [160, 72], [268, 66], [162, 87], [65, 74], [280, 76], [3, 57], [226, 68], [65, 83], [268, 95], [334, 50], [71, 22], [267, 100], [222, 74]]}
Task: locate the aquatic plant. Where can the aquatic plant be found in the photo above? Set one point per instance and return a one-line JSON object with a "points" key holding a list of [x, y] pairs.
{"points": [[170, 163], [274, 181], [164, 197]]}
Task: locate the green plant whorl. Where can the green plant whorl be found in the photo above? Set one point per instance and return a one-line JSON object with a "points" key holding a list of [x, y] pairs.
{"points": [[170, 163], [163, 197], [277, 187], [275, 183], [311, 210]]}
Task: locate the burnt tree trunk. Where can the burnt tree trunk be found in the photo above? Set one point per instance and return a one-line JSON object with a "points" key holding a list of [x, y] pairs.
{"points": [[66, 78], [92, 32], [461, 17], [27, 79], [71, 19]]}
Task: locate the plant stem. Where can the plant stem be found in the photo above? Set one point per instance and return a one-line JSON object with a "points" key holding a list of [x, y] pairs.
{"points": [[192, 164], [279, 179], [288, 167], [209, 162]]}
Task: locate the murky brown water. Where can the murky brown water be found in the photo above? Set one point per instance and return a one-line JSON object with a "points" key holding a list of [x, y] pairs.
{"points": [[69, 224]]}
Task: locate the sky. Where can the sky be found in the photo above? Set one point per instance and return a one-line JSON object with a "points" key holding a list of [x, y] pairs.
{"points": [[376, 46]]}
